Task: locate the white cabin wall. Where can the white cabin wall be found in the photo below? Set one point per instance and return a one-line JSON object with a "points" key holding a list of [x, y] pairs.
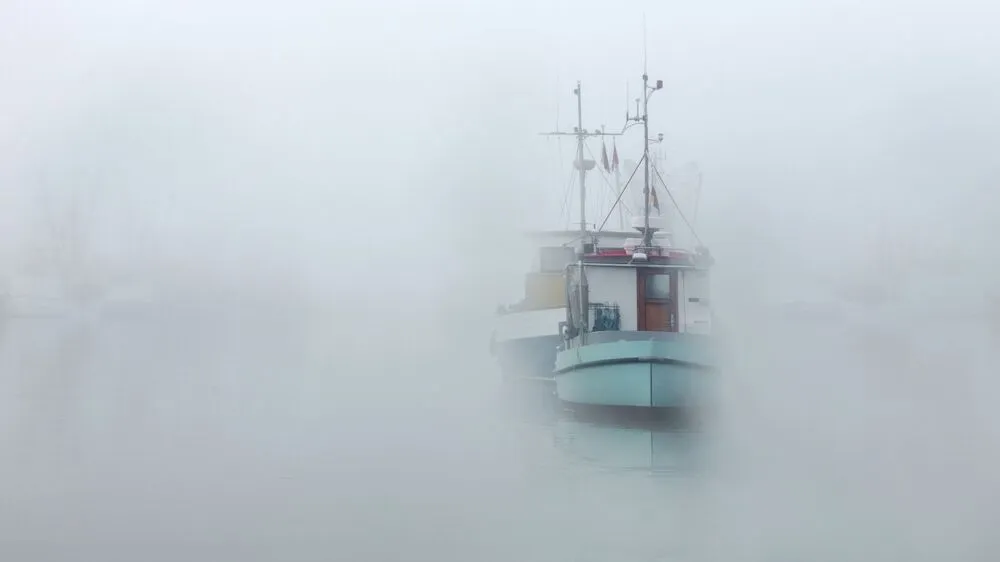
{"points": [[696, 317], [616, 285], [682, 301]]}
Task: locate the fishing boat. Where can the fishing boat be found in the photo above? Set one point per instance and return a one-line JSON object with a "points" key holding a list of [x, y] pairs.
{"points": [[637, 332]]}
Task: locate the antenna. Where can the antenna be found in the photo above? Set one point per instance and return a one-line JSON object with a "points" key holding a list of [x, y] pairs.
{"points": [[645, 57], [647, 235], [642, 116]]}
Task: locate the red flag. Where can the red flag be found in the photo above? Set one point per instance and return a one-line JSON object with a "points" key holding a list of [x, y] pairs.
{"points": [[604, 157], [654, 200], [614, 156]]}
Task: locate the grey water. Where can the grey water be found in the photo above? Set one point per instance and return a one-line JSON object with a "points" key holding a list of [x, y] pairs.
{"points": [[223, 432], [215, 438]]}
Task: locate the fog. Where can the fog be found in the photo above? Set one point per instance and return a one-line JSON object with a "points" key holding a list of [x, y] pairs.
{"points": [[322, 202]]}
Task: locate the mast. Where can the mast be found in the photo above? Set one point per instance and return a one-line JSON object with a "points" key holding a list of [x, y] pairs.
{"points": [[647, 90], [582, 164], [647, 235], [621, 209], [580, 136]]}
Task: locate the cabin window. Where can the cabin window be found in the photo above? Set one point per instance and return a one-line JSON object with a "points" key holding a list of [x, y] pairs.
{"points": [[658, 286]]}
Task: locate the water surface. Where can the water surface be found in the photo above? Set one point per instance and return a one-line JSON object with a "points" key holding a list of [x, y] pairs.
{"points": [[226, 437]]}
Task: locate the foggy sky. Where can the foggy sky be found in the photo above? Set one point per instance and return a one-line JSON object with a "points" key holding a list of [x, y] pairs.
{"points": [[817, 114]]}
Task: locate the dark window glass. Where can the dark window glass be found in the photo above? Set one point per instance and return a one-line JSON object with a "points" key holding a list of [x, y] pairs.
{"points": [[658, 286]]}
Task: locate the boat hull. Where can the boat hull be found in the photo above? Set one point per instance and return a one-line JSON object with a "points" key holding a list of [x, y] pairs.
{"points": [[524, 343], [533, 357], [666, 371]]}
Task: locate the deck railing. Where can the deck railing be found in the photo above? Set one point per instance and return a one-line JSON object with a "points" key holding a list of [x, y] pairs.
{"points": [[605, 317]]}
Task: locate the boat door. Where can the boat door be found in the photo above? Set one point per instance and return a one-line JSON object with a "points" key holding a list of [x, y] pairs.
{"points": [[657, 292]]}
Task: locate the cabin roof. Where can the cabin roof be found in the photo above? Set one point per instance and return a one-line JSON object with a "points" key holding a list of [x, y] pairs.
{"points": [[669, 258]]}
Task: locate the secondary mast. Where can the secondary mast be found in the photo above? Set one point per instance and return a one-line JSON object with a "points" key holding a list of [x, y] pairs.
{"points": [[582, 165]]}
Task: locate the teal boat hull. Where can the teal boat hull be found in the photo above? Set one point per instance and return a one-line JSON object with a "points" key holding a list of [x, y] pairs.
{"points": [[667, 370]]}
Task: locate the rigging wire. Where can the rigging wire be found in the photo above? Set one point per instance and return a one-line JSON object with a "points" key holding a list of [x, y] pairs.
{"points": [[564, 210], [606, 182], [697, 198], [586, 146], [559, 149], [624, 189], [678, 207]]}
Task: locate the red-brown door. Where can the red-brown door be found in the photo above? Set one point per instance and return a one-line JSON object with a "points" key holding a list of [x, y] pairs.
{"points": [[657, 291]]}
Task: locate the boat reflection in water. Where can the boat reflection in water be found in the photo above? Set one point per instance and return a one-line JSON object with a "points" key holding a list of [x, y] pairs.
{"points": [[645, 446]]}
